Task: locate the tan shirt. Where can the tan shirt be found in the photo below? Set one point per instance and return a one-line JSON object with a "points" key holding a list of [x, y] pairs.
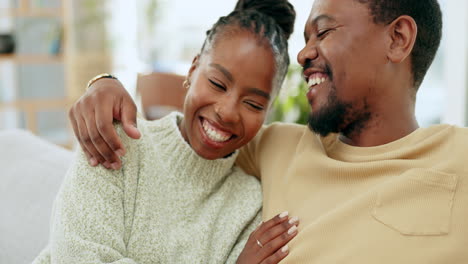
{"points": [[403, 202]]}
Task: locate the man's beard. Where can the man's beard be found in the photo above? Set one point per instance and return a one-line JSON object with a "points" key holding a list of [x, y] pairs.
{"points": [[337, 116]]}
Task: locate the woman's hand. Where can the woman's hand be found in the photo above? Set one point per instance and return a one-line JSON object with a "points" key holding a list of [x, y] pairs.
{"points": [[268, 243], [92, 116]]}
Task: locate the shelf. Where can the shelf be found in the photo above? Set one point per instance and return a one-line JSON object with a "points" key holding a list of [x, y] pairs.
{"points": [[35, 12], [32, 59], [37, 104]]}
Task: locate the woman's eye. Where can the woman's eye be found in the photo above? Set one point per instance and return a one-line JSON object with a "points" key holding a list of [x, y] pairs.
{"points": [[255, 106], [217, 85]]}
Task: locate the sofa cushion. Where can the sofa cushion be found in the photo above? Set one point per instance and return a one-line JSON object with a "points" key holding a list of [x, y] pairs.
{"points": [[31, 171]]}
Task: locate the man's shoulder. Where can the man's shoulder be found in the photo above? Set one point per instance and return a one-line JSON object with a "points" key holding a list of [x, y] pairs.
{"points": [[452, 133], [280, 139], [459, 131], [284, 131], [459, 136]]}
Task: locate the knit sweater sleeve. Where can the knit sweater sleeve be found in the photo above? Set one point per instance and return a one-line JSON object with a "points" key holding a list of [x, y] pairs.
{"points": [[240, 244], [92, 213]]}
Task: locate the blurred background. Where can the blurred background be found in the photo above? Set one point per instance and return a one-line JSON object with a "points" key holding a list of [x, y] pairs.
{"points": [[49, 49]]}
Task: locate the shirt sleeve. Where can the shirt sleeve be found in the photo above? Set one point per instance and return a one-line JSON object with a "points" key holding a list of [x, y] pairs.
{"points": [[89, 220]]}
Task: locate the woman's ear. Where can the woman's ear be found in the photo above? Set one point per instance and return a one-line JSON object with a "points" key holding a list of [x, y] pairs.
{"points": [[403, 32], [194, 65]]}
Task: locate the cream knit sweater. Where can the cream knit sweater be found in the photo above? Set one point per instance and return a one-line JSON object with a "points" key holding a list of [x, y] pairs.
{"points": [[166, 205]]}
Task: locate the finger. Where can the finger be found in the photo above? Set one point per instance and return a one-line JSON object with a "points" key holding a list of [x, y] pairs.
{"points": [[92, 161], [277, 230], [98, 142], [277, 256], [85, 140], [277, 243], [128, 113], [272, 222], [104, 119]]}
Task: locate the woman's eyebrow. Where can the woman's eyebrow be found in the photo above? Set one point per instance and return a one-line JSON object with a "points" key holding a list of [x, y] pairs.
{"points": [[223, 70], [231, 79], [259, 92]]}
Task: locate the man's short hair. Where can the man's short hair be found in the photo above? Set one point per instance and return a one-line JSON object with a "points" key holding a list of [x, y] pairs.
{"points": [[428, 17]]}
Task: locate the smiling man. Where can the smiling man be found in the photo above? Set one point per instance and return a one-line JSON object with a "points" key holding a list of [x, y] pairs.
{"points": [[368, 184]]}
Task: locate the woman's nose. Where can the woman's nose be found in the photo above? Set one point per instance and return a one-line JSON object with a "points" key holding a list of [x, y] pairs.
{"points": [[227, 111]]}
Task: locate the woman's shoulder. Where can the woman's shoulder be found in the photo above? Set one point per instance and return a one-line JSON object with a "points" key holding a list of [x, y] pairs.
{"points": [[148, 128], [166, 123]]}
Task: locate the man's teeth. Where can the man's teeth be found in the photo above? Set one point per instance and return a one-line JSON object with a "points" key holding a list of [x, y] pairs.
{"points": [[315, 81], [213, 134]]}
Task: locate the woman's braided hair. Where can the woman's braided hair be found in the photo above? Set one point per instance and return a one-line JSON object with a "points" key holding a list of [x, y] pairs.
{"points": [[270, 20]]}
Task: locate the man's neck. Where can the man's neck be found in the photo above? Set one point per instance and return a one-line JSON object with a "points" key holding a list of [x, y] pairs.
{"points": [[383, 128]]}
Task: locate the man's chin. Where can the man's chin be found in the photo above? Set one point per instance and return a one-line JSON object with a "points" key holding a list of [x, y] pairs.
{"points": [[320, 126], [328, 119]]}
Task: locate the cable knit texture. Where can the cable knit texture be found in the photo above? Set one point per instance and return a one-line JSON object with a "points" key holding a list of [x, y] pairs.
{"points": [[166, 205]]}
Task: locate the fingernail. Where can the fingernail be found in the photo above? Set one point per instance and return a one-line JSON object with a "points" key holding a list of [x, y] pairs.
{"points": [[115, 166], [285, 249], [283, 214], [293, 220], [93, 162], [120, 152], [292, 230], [106, 164]]}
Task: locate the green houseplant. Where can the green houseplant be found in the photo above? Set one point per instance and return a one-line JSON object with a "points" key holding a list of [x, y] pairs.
{"points": [[291, 105]]}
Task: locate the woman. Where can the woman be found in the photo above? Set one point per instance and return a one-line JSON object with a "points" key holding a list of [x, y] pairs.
{"points": [[178, 197]]}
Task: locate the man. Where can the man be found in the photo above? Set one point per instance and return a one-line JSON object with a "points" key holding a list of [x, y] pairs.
{"points": [[368, 184]]}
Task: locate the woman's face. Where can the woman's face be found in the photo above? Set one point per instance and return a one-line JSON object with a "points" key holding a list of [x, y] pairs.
{"points": [[230, 91]]}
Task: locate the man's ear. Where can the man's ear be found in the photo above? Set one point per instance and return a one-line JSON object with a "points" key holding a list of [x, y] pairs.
{"points": [[403, 32], [195, 63]]}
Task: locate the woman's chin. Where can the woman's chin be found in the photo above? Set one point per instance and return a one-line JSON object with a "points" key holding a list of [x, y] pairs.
{"points": [[212, 155]]}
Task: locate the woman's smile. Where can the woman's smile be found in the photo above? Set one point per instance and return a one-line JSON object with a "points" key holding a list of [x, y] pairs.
{"points": [[213, 134]]}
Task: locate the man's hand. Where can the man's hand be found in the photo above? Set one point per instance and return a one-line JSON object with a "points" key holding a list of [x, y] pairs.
{"points": [[268, 243], [92, 115]]}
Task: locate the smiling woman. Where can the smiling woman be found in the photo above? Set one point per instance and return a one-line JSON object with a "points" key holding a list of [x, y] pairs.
{"points": [[178, 198], [229, 97]]}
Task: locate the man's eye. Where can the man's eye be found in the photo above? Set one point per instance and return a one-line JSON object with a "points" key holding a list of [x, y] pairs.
{"points": [[217, 85], [322, 33]]}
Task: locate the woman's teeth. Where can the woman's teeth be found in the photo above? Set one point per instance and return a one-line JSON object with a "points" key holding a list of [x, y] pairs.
{"points": [[214, 134], [316, 81]]}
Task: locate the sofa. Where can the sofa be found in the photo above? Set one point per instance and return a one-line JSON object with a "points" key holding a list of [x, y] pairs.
{"points": [[31, 171]]}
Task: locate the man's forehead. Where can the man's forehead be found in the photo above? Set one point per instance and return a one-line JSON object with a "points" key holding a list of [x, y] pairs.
{"points": [[331, 9]]}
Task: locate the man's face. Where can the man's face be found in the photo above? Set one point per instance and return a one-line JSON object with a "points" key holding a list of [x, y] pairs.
{"points": [[343, 56]]}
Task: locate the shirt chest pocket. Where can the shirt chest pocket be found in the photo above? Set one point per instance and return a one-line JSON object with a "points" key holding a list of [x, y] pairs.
{"points": [[417, 203]]}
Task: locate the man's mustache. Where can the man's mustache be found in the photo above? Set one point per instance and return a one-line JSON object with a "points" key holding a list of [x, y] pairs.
{"points": [[325, 68]]}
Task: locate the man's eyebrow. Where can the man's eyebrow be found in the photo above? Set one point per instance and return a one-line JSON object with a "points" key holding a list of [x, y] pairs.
{"points": [[259, 92], [223, 70], [323, 17], [319, 18]]}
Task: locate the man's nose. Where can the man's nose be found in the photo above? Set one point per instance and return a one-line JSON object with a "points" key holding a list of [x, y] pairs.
{"points": [[308, 53]]}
